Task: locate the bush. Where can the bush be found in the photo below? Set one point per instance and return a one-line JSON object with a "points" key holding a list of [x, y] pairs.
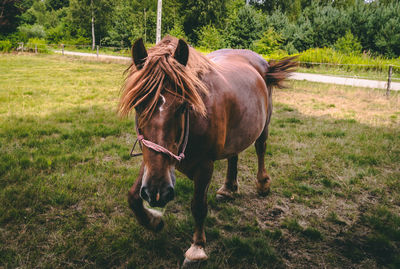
{"points": [[55, 35], [5, 45], [269, 42], [177, 31], [210, 38], [31, 31], [348, 44], [244, 28], [80, 40], [40, 43]]}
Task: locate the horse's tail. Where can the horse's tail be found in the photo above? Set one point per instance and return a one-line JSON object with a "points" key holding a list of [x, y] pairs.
{"points": [[278, 71]]}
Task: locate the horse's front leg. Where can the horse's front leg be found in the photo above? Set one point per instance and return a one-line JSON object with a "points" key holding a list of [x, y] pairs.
{"points": [[202, 178], [149, 218]]}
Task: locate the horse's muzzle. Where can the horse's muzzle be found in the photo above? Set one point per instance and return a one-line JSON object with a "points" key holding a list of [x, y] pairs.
{"points": [[157, 198]]}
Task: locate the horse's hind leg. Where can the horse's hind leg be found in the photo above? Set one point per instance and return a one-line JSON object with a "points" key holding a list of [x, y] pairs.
{"points": [[263, 180], [231, 184]]}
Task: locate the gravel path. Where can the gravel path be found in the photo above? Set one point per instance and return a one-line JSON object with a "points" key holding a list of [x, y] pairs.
{"points": [[346, 81], [296, 76]]}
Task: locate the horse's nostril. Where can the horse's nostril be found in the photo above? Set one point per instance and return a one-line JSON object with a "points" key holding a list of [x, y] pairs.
{"points": [[144, 193]]}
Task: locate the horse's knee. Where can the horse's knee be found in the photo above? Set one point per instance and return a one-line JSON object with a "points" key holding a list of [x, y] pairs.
{"points": [[133, 198]]}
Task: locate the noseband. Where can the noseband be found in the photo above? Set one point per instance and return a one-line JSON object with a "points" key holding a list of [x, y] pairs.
{"points": [[161, 149]]}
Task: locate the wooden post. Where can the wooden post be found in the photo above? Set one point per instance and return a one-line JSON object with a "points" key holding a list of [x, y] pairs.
{"points": [[389, 80], [35, 48], [62, 46], [22, 46], [97, 51]]}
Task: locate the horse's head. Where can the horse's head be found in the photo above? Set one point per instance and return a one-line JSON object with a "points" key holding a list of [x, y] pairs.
{"points": [[165, 133], [161, 91]]}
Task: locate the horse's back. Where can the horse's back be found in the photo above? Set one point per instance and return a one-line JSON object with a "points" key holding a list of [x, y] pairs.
{"points": [[226, 55], [240, 99]]}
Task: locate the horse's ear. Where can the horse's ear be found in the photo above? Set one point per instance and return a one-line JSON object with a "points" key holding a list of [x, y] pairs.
{"points": [[182, 52], [139, 53]]}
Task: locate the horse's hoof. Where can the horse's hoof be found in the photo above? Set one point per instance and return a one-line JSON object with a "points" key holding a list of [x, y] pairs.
{"points": [[192, 264], [223, 198], [196, 253], [263, 193], [263, 188], [224, 194]]}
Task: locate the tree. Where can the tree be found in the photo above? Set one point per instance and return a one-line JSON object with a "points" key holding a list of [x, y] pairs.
{"points": [[199, 13], [244, 28], [90, 18], [10, 10]]}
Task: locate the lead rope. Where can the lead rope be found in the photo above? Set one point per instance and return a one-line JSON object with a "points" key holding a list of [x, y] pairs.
{"points": [[159, 148]]}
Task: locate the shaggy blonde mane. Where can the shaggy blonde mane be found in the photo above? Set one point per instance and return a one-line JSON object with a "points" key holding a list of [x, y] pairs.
{"points": [[162, 72]]}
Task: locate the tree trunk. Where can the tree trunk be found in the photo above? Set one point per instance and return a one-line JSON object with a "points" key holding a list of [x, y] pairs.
{"points": [[93, 36]]}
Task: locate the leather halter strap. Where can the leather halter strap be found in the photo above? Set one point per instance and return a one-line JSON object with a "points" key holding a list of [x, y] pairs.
{"points": [[161, 149]]}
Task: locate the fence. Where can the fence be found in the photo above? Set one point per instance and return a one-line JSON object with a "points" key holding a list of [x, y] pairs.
{"points": [[378, 70]]}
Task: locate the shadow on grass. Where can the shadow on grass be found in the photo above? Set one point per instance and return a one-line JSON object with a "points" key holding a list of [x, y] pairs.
{"points": [[64, 180]]}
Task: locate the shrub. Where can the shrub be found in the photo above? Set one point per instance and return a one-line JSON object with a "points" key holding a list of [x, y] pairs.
{"points": [[210, 38], [177, 31], [348, 44], [55, 35], [244, 28], [269, 42], [40, 43], [80, 40], [5, 45], [31, 31]]}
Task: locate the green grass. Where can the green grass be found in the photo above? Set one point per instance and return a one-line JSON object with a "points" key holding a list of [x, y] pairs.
{"points": [[65, 171]]}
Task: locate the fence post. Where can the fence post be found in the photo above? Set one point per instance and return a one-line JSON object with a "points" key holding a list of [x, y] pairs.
{"points": [[62, 47], [35, 48], [97, 51], [22, 46], [389, 80]]}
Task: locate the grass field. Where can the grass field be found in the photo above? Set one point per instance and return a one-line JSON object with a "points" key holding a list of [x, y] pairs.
{"points": [[333, 154]]}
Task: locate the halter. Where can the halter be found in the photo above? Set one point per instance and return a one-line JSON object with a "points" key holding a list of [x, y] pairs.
{"points": [[161, 149]]}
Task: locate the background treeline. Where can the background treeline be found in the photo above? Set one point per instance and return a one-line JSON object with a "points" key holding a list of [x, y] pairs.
{"points": [[292, 26]]}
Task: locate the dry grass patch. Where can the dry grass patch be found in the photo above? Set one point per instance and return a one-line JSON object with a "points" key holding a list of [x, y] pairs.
{"points": [[367, 106]]}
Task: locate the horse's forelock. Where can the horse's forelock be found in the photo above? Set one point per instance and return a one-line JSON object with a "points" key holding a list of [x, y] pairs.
{"points": [[146, 84]]}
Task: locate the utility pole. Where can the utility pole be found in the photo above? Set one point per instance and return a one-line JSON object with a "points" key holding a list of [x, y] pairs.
{"points": [[159, 11]]}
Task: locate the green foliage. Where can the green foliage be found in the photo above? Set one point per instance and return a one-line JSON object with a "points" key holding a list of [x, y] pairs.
{"points": [[31, 31], [301, 24], [177, 31], [198, 13], [5, 45], [210, 38], [40, 44], [348, 44], [55, 35], [270, 42], [244, 28], [80, 40]]}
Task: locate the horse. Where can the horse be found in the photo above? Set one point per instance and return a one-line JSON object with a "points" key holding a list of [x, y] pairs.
{"points": [[192, 110]]}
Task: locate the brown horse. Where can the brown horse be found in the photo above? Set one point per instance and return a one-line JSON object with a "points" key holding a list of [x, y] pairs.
{"points": [[192, 110]]}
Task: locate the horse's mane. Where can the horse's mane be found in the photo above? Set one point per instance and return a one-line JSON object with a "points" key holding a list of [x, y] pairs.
{"points": [[162, 72]]}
